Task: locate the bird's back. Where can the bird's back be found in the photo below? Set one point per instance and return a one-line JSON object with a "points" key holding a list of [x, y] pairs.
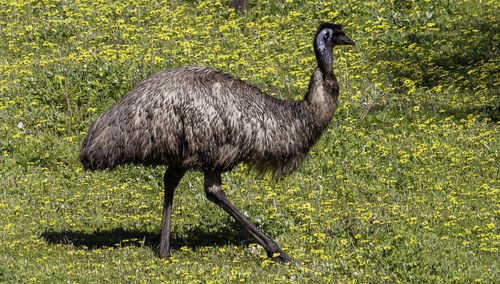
{"points": [[193, 117]]}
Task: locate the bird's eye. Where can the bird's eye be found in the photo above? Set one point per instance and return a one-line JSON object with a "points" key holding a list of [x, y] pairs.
{"points": [[328, 34]]}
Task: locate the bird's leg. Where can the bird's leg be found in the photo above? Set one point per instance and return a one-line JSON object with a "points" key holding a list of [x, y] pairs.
{"points": [[171, 180], [214, 192]]}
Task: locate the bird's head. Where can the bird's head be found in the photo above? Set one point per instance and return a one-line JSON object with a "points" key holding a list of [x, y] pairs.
{"points": [[329, 35]]}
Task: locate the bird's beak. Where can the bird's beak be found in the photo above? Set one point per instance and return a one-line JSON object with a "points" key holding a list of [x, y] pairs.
{"points": [[344, 40]]}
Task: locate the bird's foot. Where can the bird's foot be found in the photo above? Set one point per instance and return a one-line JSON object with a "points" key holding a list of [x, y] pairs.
{"points": [[280, 257]]}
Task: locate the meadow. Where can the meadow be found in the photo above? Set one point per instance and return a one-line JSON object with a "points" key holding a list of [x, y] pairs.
{"points": [[402, 187]]}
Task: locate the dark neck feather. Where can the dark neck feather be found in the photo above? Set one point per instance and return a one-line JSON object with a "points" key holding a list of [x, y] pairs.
{"points": [[323, 49], [325, 58], [324, 55]]}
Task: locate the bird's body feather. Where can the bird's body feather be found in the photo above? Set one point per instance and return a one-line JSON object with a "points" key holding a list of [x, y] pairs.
{"points": [[200, 118]]}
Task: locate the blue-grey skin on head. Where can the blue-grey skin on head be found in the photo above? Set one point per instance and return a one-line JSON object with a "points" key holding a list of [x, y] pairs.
{"points": [[327, 36]]}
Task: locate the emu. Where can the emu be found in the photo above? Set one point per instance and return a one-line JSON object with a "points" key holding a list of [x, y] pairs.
{"points": [[195, 117]]}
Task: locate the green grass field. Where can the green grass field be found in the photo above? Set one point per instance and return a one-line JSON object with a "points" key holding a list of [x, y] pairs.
{"points": [[402, 187]]}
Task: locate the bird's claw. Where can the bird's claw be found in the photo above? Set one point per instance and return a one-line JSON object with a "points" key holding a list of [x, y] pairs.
{"points": [[281, 257]]}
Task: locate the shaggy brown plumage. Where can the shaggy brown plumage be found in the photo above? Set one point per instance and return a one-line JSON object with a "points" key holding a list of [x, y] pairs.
{"points": [[195, 117]]}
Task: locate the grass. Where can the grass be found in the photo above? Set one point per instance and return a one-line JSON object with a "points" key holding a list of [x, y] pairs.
{"points": [[407, 192]]}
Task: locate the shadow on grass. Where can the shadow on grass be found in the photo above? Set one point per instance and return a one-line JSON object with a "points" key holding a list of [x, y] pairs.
{"points": [[460, 55], [194, 238], [463, 52], [491, 112]]}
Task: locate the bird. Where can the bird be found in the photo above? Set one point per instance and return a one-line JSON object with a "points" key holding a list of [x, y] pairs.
{"points": [[199, 118]]}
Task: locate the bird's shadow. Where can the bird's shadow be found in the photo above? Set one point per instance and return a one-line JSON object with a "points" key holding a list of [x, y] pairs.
{"points": [[118, 237]]}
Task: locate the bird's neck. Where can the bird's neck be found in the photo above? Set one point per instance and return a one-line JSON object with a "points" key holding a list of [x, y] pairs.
{"points": [[324, 55], [322, 97], [323, 91]]}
